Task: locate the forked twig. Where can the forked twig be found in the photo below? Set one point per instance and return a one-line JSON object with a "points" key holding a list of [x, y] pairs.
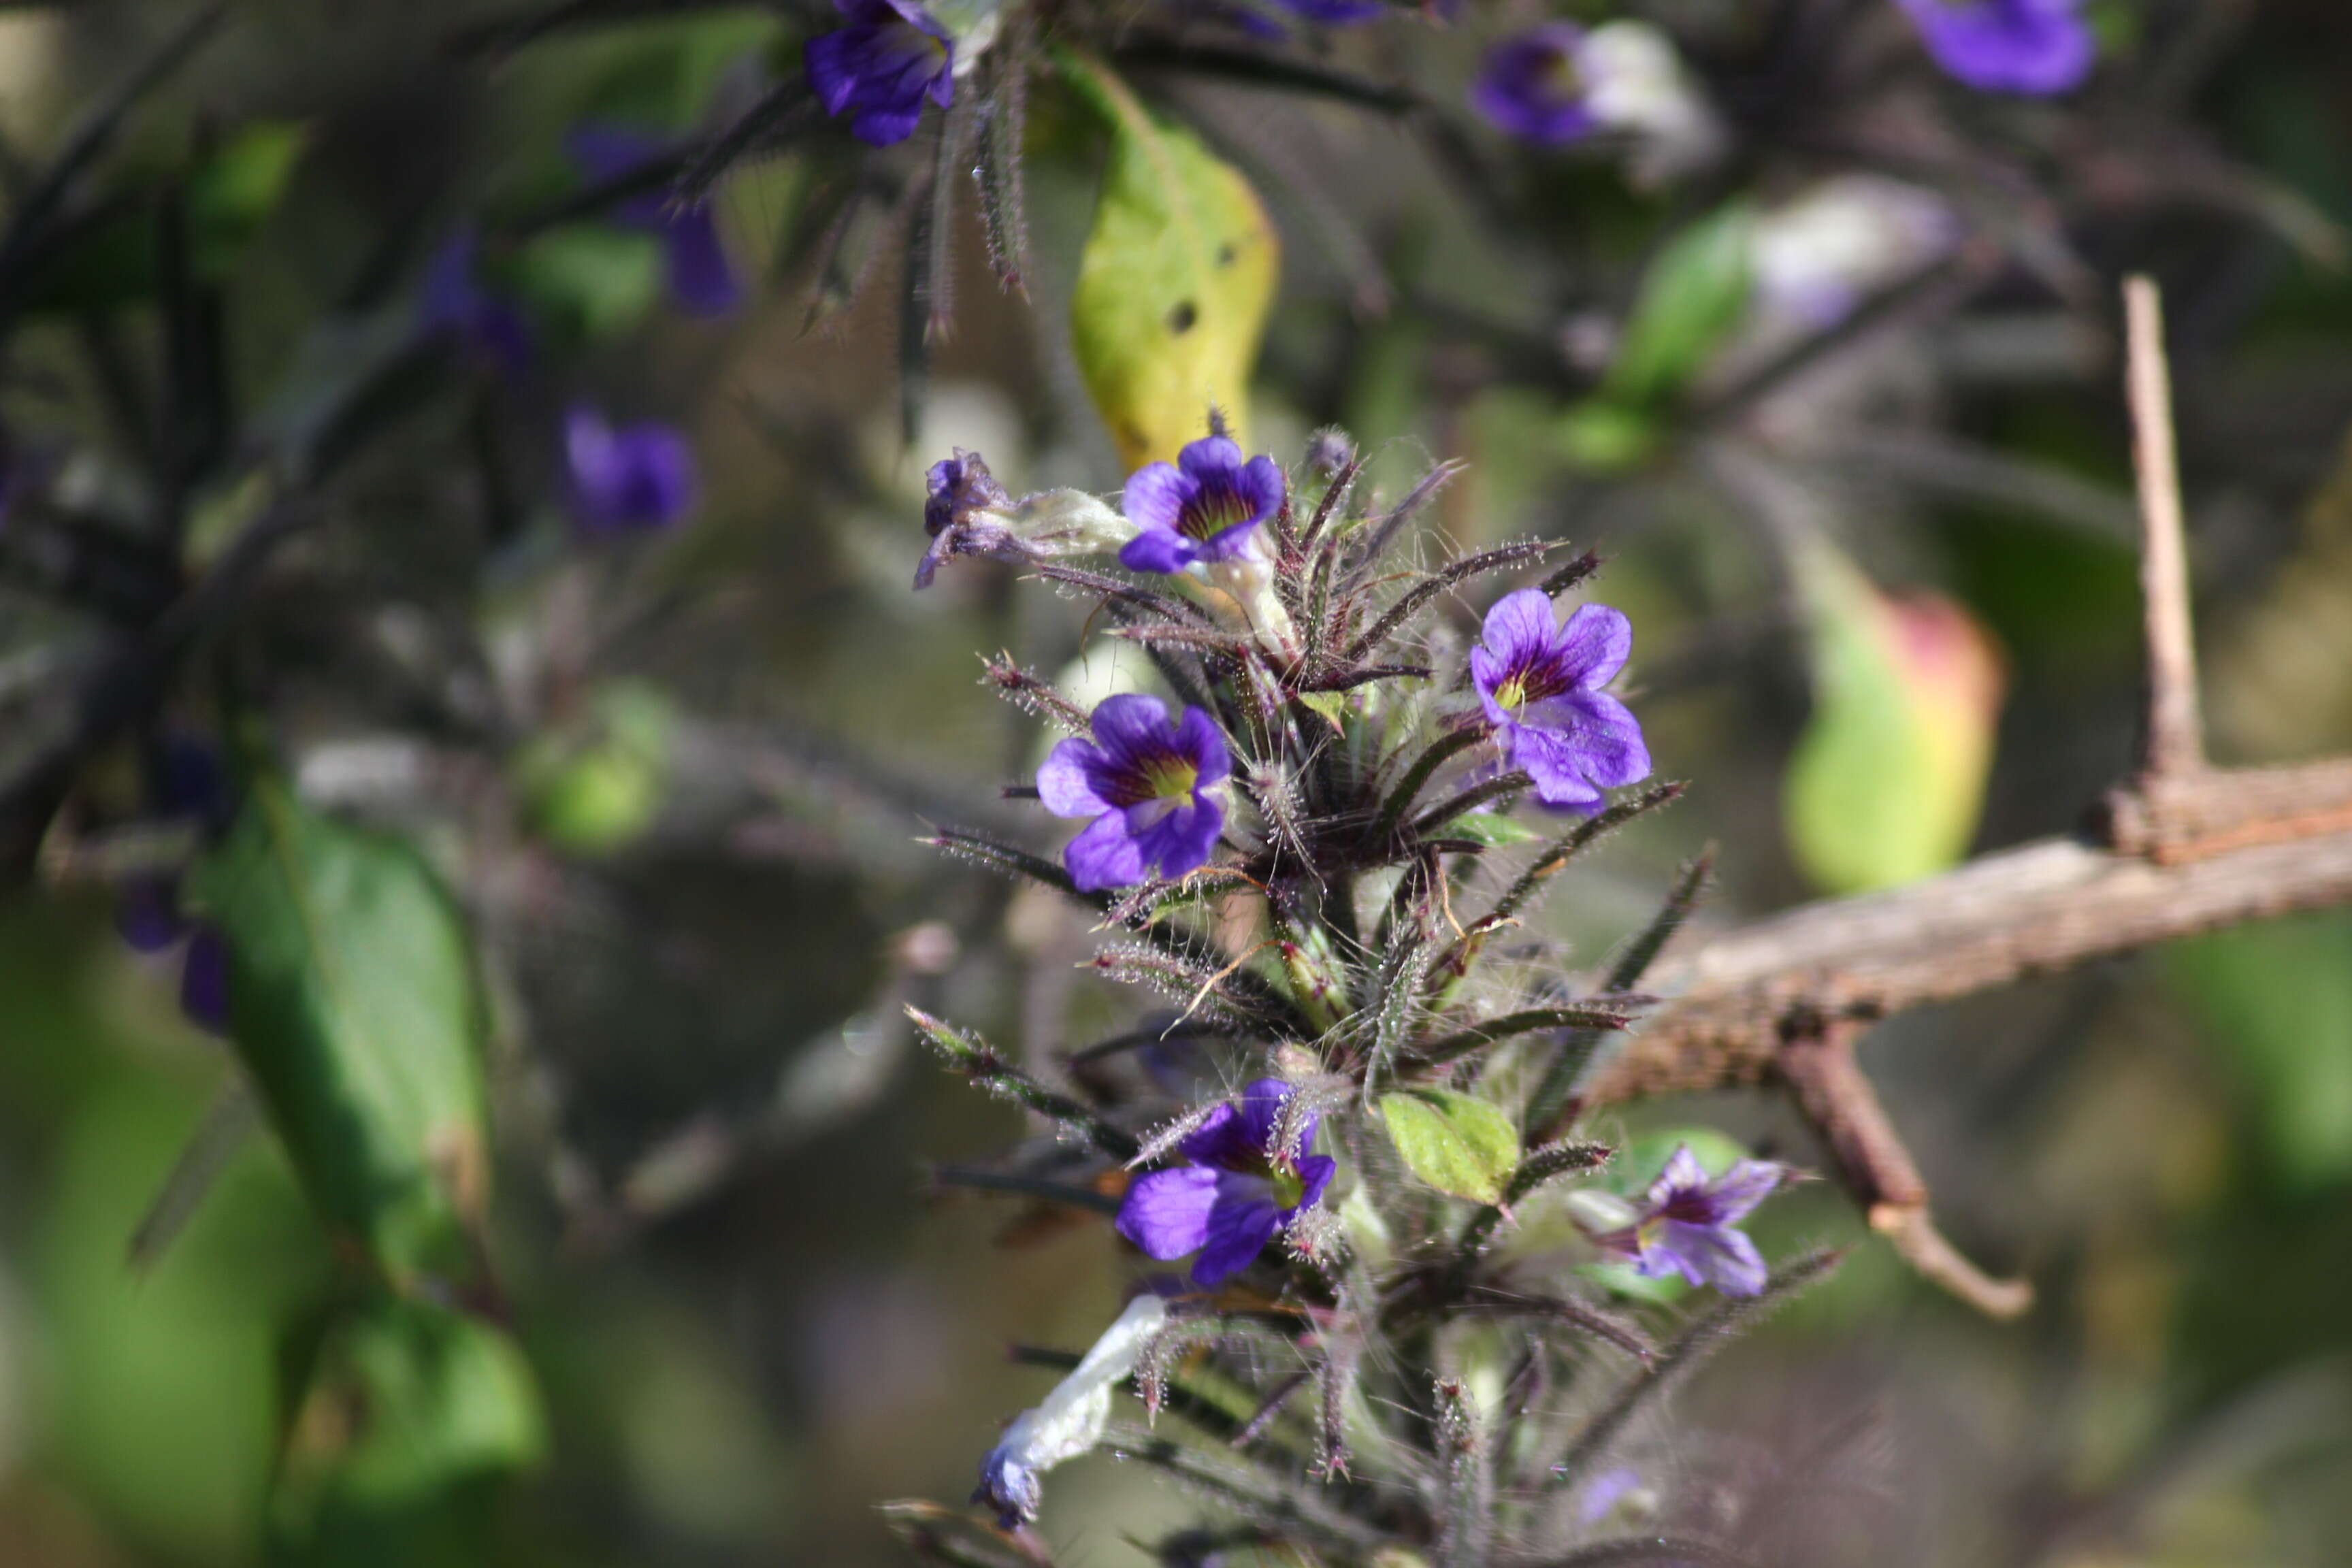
{"points": [[2187, 849]]}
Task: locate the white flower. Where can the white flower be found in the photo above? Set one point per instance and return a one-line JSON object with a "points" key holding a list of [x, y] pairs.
{"points": [[1634, 82], [1070, 1420], [1814, 259]]}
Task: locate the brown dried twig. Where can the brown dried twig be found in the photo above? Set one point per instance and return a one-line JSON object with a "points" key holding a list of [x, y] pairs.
{"points": [[2182, 848]]}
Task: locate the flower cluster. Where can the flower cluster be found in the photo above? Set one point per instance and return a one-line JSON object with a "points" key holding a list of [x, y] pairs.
{"points": [[1308, 785]]}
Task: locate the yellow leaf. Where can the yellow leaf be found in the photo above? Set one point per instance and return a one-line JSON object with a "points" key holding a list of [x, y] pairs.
{"points": [[1174, 283], [1888, 777]]}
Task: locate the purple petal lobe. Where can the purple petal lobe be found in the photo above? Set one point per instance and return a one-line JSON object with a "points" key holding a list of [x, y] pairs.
{"points": [[1315, 1174], [1518, 631], [1714, 1254], [699, 277], [1159, 550], [1104, 855], [1166, 1213], [2036, 48], [634, 478], [1243, 1220], [880, 67], [1223, 1140], [1155, 496], [1596, 643], [1066, 780], [1181, 841]]}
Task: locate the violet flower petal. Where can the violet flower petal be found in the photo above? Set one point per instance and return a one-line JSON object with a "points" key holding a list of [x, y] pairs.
{"points": [[1166, 1213], [1104, 856], [1243, 1220], [2035, 47]]}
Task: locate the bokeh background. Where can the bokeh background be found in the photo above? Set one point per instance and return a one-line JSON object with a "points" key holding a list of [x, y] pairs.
{"points": [[679, 780]]}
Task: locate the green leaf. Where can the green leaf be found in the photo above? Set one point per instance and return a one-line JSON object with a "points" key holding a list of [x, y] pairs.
{"points": [[1331, 706], [1454, 1142], [1693, 295], [1175, 281], [230, 194], [2277, 999], [1887, 779], [352, 1003], [598, 793], [233, 192], [601, 280], [411, 1415], [1493, 829]]}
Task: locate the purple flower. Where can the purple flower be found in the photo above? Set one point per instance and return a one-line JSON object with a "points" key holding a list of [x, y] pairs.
{"points": [[1683, 1224], [1530, 86], [956, 491], [1238, 1191], [455, 301], [1540, 686], [1205, 507], [957, 486], [699, 279], [881, 67], [1145, 783], [2036, 46], [1335, 13], [1604, 1491], [635, 478]]}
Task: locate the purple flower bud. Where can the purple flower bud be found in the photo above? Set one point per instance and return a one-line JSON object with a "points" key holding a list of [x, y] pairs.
{"points": [[1069, 1421], [1237, 1195], [1604, 1491], [635, 478], [2034, 46], [699, 279], [1205, 507], [881, 67], [203, 981], [1530, 87], [455, 301], [1683, 1224], [147, 913], [1335, 13], [1145, 783], [963, 509], [1540, 684], [967, 512], [957, 486]]}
